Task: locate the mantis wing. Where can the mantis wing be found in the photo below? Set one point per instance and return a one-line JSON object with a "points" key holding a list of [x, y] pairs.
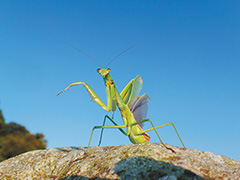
{"points": [[139, 108], [131, 91]]}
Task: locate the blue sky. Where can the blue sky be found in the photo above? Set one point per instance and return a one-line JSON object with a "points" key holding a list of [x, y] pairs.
{"points": [[188, 57]]}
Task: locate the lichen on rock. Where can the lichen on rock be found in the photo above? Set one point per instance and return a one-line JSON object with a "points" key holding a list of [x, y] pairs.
{"points": [[139, 161]]}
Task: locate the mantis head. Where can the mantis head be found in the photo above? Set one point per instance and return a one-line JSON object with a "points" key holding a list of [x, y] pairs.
{"points": [[103, 71]]}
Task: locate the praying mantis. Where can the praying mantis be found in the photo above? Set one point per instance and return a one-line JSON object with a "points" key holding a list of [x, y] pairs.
{"points": [[133, 108]]}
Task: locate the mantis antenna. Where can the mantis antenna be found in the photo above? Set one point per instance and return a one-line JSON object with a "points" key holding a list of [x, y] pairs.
{"points": [[83, 53], [94, 59], [121, 54]]}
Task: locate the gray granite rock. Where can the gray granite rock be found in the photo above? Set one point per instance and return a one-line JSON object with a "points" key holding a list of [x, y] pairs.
{"points": [[141, 161]]}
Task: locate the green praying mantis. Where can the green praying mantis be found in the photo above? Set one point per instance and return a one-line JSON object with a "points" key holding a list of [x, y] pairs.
{"points": [[133, 108]]}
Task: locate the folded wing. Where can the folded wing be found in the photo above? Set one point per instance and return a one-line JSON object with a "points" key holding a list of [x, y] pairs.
{"points": [[139, 108], [131, 91]]}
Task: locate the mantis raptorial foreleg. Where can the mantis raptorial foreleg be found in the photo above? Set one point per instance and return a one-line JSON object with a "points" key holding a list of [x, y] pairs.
{"points": [[104, 121], [103, 127], [154, 128], [94, 95]]}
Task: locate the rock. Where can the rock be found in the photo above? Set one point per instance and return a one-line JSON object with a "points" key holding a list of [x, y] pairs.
{"points": [[141, 161]]}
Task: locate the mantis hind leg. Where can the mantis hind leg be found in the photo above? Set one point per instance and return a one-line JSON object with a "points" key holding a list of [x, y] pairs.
{"points": [[167, 124], [154, 128], [103, 127], [104, 121]]}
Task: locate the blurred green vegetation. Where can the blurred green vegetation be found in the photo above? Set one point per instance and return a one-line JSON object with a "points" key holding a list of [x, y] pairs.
{"points": [[16, 139]]}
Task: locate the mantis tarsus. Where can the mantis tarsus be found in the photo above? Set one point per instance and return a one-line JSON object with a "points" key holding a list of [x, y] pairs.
{"points": [[133, 108]]}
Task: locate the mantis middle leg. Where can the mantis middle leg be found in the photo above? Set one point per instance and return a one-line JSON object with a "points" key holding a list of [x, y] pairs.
{"points": [[104, 121], [103, 127]]}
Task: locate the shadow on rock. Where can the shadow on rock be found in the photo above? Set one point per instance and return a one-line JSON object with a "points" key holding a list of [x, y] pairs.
{"points": [[146, 168]]}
